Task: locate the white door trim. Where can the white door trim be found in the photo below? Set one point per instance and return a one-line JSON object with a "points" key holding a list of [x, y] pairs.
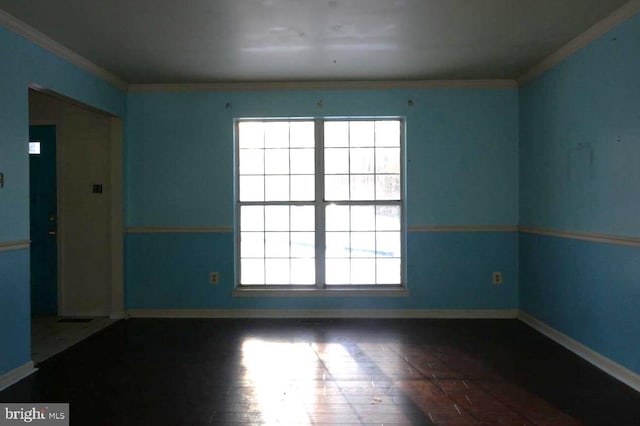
{"points": [[117, 220]]}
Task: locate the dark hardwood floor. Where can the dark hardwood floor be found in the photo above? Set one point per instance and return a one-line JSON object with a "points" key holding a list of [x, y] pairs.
{"points": [[339, 372]]}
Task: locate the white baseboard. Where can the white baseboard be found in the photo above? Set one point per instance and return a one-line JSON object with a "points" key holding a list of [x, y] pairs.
{"points": [[85, 314], [324, 313], [16, 375], [607, 365], [118, 315]]}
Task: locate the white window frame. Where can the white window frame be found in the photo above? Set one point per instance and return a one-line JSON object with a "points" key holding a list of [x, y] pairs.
{"points": [[320, 205]]}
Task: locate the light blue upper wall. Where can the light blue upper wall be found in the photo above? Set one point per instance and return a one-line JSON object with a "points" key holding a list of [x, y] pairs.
{"points": [[462, 151], [580, 139], [24, 63]]}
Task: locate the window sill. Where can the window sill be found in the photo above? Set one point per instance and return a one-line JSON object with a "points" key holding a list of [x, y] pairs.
{"points": [[316, 292]]}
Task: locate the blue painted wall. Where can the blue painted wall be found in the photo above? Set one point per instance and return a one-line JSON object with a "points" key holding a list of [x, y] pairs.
{"points": [[580, 171], [462, 155], [23, 63], [579, 132], [587, 290], [15, 319], [445, 271], [462, 151]]}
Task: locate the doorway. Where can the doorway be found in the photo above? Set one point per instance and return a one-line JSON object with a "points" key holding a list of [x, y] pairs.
{"points": [[43, 192], [76, 221]]}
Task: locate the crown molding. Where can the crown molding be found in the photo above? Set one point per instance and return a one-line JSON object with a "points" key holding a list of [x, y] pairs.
{"points": [[15, 25], [324, 85], [599, 29]]}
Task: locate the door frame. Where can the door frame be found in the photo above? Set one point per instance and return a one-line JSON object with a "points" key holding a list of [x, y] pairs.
{"points": [[116, 215]]}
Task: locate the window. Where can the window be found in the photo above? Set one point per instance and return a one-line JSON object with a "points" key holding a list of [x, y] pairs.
{"points": [[320, 203], [34, 148]]}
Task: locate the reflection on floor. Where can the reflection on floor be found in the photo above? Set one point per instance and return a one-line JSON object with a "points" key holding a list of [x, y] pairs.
{"points": [[51, 335], [334, 372]]}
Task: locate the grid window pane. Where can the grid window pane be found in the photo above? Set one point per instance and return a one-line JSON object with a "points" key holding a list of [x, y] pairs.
{"points": [[302, 161], [336, 187], [388, 160], [276, 161], [388, 271], [337, 244], [302, 187], [336, 161], [362, 204], [336, 134], [252, 244], [388, 133], [276, 244], [277, 271], [251, 134], [251, 188], [252, 218], [252, 271], [363, 271], [251, 161], [303, 218], [337, 271], [361, 160], [388, 244], [361, 133], [303, 271], [276, 218], [363, 218], [337, 218], [302, 134], [276, 134], [303, 245], [362, 187], [387, 187], [276, 188], [363, 244], [388, 218]]}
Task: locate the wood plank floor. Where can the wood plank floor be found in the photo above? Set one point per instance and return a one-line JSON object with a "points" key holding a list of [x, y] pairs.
{"points": [[333, 372]]}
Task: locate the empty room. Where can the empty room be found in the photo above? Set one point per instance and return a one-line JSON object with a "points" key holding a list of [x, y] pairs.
{"points": [[335, 212]]}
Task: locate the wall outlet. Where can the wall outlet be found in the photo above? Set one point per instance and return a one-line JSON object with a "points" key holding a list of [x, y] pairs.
{"points": [[497, 278], [214, 278]]}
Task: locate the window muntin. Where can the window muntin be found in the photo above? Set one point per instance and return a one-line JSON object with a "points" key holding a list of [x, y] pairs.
{"points": [[347, 174]]}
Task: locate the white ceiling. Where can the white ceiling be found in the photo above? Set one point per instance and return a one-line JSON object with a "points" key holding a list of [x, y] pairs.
{"points": [[194, 41]]}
